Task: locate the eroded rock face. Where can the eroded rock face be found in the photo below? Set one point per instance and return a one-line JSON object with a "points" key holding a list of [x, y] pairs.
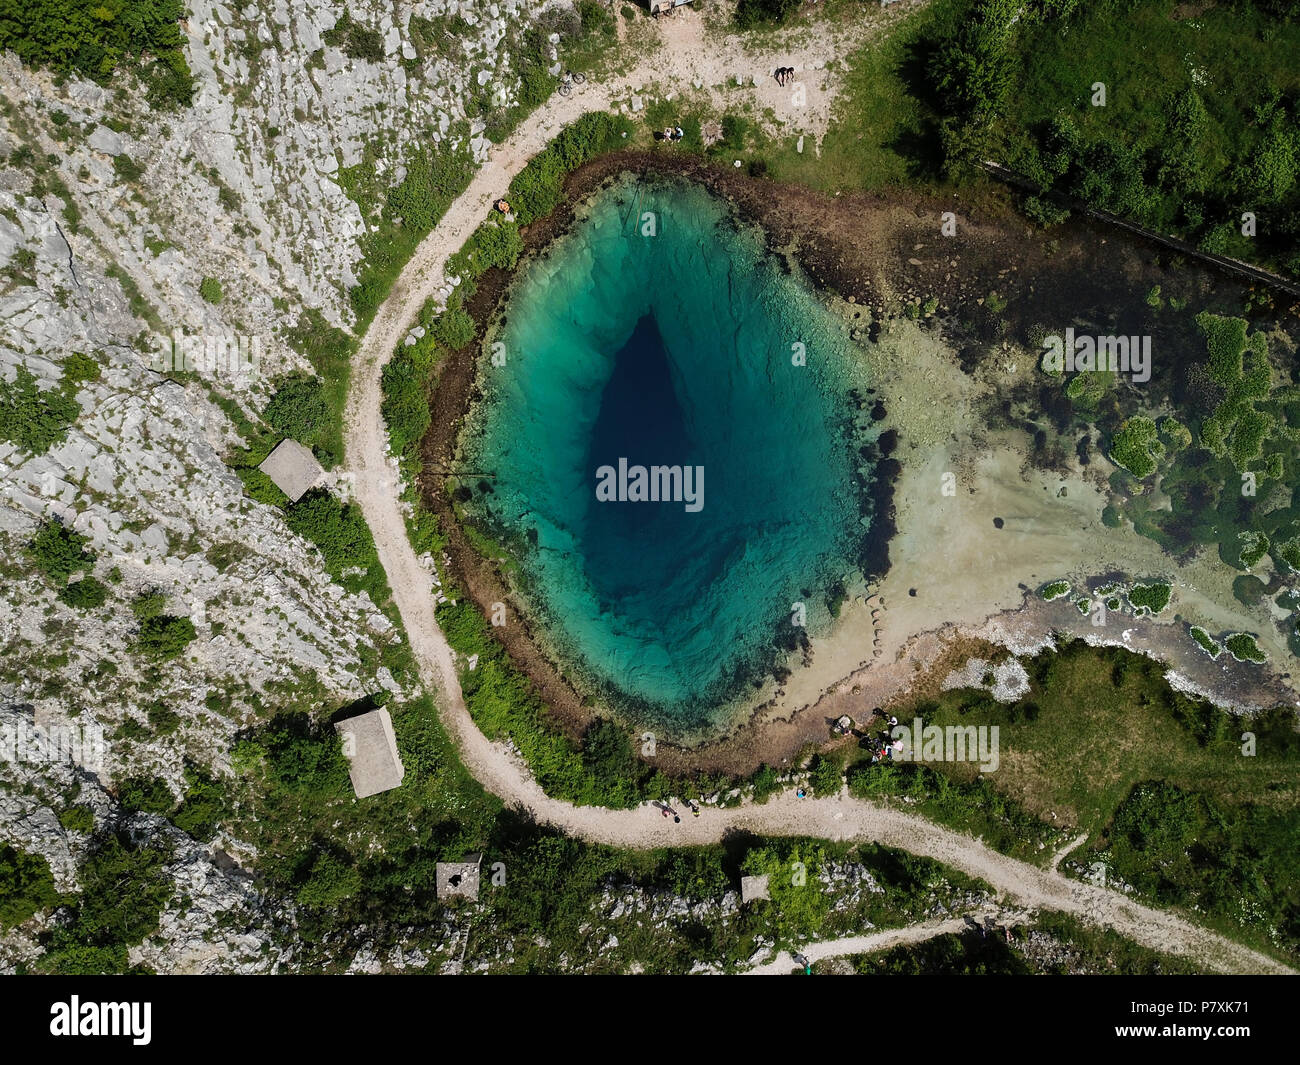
{"points": [[215, 921], [111, 217]]}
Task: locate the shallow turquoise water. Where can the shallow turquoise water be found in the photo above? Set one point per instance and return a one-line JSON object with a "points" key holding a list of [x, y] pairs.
{"points": [[671, 349]]}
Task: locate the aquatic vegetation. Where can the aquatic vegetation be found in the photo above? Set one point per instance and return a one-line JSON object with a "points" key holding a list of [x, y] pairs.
{"points": [[1137, 446], [1206, 641], [1242, 647], [1153, 597]]}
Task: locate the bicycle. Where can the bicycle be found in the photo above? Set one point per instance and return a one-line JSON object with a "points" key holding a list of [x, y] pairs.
{"points": [[569, 80]]}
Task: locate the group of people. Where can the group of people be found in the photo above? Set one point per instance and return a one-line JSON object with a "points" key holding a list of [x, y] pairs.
{"points": [[784, 75], [668, 811], [670, 133], [882, 744]]}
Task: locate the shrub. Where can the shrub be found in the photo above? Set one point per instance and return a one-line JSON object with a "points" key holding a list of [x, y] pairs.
{"points": [[536, 189], [301, 755], [765, 783], [300, 410], [1206, 641], [1055, 590], [148, 605], [406, 404], [78, 819], [1150, 835], [607, 755], [499, 244], [210, 289], [164, 636], [26, 886], [85, 594], [1136, 447], [123, 893], [454, 329], [340, 532], [32, 418], [1254, 546], [149, 795], [330, 880], [355, 40], [825, 776], [203, 807], [434, 177], [93, 39], [162, 719], [59, 552], [1043, 212], [751, 13]]}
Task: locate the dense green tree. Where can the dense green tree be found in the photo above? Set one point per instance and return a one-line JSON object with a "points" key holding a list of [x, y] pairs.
{"points": [[26, 886], [59, 552], [95, 37]]}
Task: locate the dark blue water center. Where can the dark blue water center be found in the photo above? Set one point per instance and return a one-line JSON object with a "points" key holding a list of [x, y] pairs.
{"points": [[641, 421]]}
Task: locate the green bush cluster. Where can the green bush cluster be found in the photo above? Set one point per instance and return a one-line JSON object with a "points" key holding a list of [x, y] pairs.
{"points": [[36, 419], [536, 190], [26, 886], [94, 39], [124, 890], [405, 404], [1177, 847], [165, 636], [1206, 641], [454, 329], [1242, 647], [160, 636], [339, 530], [149, 795], [59, 552], [435, 175], [301, 411], [504, 703], [752, 13], [299, 756], [825, 775], [85, 594], [355, 40], [1012, 82], [78, 819]]}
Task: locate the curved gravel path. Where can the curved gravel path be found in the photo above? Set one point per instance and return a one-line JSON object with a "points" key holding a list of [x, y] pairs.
{"points": [[887, 939], [377, 490]]}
